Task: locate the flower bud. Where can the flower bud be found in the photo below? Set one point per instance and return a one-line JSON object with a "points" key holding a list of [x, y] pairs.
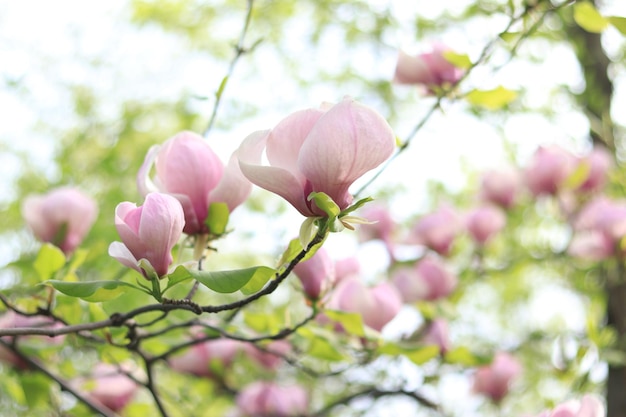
{"points": [[62, 217], [437, 230], [271, 357], [428, 280], [204, 359], [110, 387], [317, 274], [495, 379], [548, 170], [148, 232], [484, 222], [437, 334], [429, 69], [600, 161], [500, 187]]}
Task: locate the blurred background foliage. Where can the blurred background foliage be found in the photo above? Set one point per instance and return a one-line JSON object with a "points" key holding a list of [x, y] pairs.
{"points": [[86, 113]]}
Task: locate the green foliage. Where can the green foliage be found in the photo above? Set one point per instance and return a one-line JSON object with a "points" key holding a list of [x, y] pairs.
{"points": [[494, 99], [93, 291], [586, 15], [231, 281]]}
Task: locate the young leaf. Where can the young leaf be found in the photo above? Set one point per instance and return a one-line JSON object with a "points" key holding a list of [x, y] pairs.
{"points": [[93, 291], [218, 218], [417, 355], [588, 17], [491, 99], [351, 322], [230, 281], [49, 260], [179, 275], [458, 60], [619, 23]]}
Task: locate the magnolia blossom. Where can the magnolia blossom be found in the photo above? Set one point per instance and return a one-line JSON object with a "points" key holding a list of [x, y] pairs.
{"points": [[437, 230], [266, 399], [598, 229], [587, 406], [320, 150], [484, 222], [548, 170], [109, 386], [377, 305], [437, 334], [271, 356], [429, 69], [494, 380], [62, 217], [11, 319], [501, 187], [188, 169], [317, 274], [206, 358], [599, 161], [346, 267], [429, 280], [148, 232], [380, 228]]}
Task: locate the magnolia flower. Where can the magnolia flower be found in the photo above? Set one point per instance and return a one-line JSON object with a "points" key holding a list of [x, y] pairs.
{"points": [[437, 230], [109, 386], [346, 267], [429, 69], [548, 170], [484, 222], [500, 187], [317, 274], [266, 399], [599, 161], [428, 280], [148, 232], [320, 150], [377, 305], [587, 406], [381, 226], [188, 169], [62, 217], [494, 380], [203, 359], [437, 334], [272, 354]]}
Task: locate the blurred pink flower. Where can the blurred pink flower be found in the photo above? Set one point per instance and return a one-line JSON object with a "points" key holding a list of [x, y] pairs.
{"points": [[319, 150], [429, 280], [600, 161], [494, 380], [437, 334], [587, 406], [266, 399], [62, 217], [188, 169], [501, 187], [428, 69], [377, 305], [484, 222], [382, 228], [204, 359], [548, 170], [317, 274], [148, 232], [347, 267], [110, 387], [437, 230], [270, 358]]}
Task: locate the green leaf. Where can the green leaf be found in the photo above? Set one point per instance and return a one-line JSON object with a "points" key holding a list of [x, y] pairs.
{"points": [[588, 17], [220, 90], [351, 322], [217, 219], [36, 389], [258, 281], [356, 206], [458, 60], [93, 291], [50, 259], [319, 344], [491, 99], [619, 23], [462, 356], [179, 275], [230, 281], [417, 355], [294, 248], [579, 176]]}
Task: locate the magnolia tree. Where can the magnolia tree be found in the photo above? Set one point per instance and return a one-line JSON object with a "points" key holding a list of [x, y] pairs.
{"points": [[159, 306]]}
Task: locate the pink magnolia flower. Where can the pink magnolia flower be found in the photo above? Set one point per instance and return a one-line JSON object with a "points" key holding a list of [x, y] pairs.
{"points": [[188, 169], [148, 232], [10, 320], [484, 222], [501, 187], [203, 359], [437, 230], [429, 69], [271, 357], [428, 280], [494, 380], [110, 387], [587, 406], [437, 334], [266, 399], [377, 305], [548, 170], [62, 217], [598, 229], [317, 274], [320, 150], [600, 161], [381, 228], [346, 267]]}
